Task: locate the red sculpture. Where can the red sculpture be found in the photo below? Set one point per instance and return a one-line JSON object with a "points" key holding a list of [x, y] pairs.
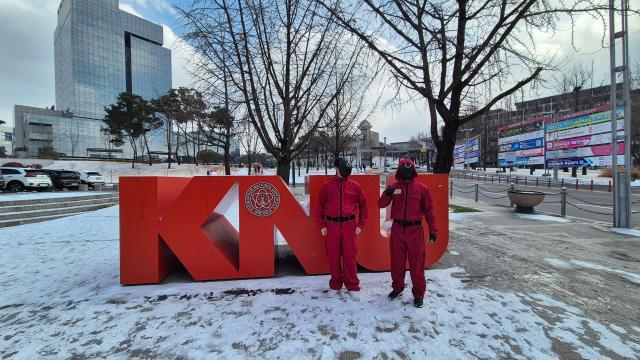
{"points": [[166, 220]]}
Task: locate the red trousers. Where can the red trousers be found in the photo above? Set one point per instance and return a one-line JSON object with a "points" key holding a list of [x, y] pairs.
{"points": [[408, 243], [341, 249]]}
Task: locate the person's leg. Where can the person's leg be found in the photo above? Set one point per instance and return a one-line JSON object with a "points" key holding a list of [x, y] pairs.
{"points": [[334, 253], [415, 245], [349, 251], [398, 251]]}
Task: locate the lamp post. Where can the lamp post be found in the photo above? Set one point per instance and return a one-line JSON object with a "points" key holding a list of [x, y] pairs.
{"points": [[621, 179], [466, 143]]}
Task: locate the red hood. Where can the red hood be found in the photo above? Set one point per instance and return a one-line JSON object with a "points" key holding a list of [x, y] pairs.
{"points": [[402, 162]]}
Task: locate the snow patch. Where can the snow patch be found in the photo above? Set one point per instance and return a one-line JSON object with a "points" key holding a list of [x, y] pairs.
{"points": [[453, 252], [561, 264], [626, 231], [618, 329], [630, 276], [537, 217]]}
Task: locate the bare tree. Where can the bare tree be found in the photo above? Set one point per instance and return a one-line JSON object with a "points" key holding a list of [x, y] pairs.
{"points": [[72, 138], [458, 54], [249, 142], [283, 59]]}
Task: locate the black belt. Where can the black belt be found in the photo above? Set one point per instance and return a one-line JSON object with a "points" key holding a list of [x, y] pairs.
{"points": [[340, 219], [407, 223]]}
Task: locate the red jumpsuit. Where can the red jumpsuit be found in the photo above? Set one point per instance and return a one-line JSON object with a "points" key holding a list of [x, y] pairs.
{"points": [[339, 199], [411, 201]]}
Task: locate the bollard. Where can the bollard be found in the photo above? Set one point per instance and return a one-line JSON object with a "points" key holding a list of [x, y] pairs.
{"points": [[477, 192], [536, 182], [511, 188], [609, 190], [591, 185], [491, 178], [451, 189], [563, 202], [498, 179], [549, 183], [525, 181], [577, 187], [561, 182], [516, 180]]}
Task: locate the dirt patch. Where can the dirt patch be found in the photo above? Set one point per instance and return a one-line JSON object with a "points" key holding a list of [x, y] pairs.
{"points": [[391, 329], [349, 355], [283, 291]]}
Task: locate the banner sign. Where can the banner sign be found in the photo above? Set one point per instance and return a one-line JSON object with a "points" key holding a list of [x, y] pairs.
{"points": [[586, 120], [523, 145], [584, 162], [167, 221], [538, 134], [582, 141], [597, 150], [467, 154]]}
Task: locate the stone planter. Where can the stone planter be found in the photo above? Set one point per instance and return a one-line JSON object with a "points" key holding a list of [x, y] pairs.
{"points": [[525, 200], [98, 187], [83, 187]]}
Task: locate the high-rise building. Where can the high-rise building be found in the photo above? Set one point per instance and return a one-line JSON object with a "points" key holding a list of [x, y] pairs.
{"points": [[100, 52]]}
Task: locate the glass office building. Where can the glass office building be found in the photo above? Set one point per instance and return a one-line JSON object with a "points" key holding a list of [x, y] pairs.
{"points": [[100, 52]]}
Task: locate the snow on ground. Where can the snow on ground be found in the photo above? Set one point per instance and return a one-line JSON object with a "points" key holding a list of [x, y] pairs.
{"points": [[625, 231], [45, 195], [630, 276], [538, 217], [562, 264], [61, 298]]}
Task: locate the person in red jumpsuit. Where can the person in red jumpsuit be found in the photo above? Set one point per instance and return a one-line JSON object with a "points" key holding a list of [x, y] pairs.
{"points": [[339, 200], [410, 200]]}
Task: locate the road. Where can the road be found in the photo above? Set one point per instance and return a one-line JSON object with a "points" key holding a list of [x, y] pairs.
{"points": [[585, 204]]}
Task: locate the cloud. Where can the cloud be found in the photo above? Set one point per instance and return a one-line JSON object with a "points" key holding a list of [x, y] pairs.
{"points": [[26, 54], [181, 53]]}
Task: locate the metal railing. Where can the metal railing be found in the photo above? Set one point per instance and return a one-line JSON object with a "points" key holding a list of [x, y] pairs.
{"points": [[565, 199]]}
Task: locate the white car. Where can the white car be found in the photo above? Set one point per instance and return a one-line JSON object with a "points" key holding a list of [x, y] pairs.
{"points": [[18, 179], [91, 178]]}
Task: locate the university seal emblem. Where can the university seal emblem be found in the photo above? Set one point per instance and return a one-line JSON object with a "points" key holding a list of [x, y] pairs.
{"points": [[262, 199]]}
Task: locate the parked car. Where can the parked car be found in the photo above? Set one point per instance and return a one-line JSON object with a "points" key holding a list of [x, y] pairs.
{"points": [[62, 179], [91, 178], [19, 179], [1, 181]]}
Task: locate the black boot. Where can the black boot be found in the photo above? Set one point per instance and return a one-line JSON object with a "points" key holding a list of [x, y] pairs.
{"points": [[394, 295], [417, 302]]}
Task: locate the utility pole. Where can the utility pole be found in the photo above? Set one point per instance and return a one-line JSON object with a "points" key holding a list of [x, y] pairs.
{"points": [[621, 179], [466, 143]]}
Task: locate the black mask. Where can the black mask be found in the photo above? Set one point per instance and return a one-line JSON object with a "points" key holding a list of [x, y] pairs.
{"points": [[344, 167], [407, 171]]}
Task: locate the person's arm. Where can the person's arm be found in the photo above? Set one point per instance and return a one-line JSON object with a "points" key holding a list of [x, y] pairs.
{"points": [[362, 208], [320, 213], [386, 197], [429, 212]]}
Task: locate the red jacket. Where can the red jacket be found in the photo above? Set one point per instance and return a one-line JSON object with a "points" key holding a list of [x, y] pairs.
{"points": [[411, 201], [341, 198]]}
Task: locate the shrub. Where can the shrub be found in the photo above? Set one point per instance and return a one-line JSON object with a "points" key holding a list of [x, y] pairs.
{"points": [[608, 172], [13, 165]]}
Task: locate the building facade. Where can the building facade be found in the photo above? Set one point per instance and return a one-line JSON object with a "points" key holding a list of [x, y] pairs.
{"points": [[487, 125], [100, 51]]}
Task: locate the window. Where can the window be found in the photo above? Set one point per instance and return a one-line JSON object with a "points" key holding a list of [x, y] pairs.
{"points": [[10, 172]]}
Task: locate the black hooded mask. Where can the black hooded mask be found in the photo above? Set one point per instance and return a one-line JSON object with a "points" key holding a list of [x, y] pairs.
{"points": [[406, 171], [344, 167]]}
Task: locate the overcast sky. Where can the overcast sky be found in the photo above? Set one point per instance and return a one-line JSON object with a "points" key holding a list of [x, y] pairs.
{"points": [[27, 68]]}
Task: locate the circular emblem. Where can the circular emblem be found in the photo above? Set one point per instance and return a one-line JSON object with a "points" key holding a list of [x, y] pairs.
{"points": [[262, 199]]}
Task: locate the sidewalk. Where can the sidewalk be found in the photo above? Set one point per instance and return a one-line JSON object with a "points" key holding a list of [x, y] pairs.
{"points": [[508, 287]]}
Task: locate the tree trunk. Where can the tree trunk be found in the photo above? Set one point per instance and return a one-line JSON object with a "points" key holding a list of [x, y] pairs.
{"points": [[227, 145], [284, 168], [444, 154], [178, 146], [146, 144], [169, 144]]}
